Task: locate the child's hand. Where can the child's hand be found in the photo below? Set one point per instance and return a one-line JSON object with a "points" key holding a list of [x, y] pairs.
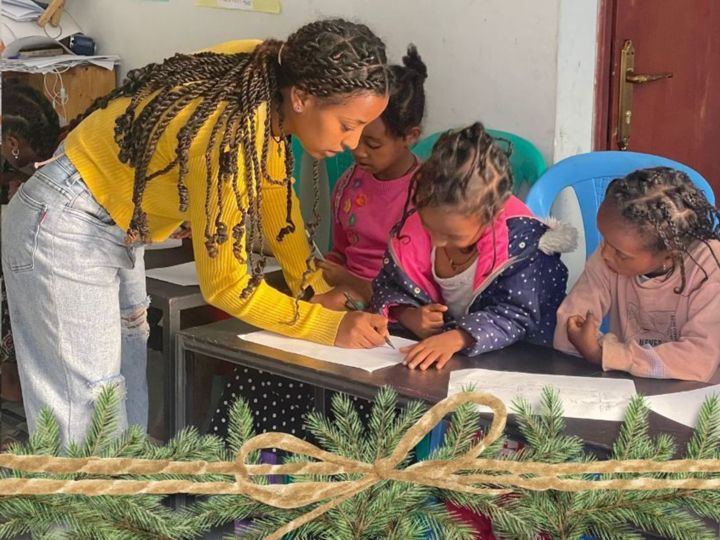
{"points": [[422, 321], [335, 274], [339, 276], [435, 350], [583, 333], [334, 299]]}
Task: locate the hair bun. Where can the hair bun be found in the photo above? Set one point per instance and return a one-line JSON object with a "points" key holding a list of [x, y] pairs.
{"points": [[413, 62]]}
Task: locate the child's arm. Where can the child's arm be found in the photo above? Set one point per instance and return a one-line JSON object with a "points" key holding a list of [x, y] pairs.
{"points": [[694, 357], [591, 293], [388, 292]]}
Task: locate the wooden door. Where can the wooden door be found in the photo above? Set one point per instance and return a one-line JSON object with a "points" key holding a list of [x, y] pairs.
{"points": [[676, 117]]}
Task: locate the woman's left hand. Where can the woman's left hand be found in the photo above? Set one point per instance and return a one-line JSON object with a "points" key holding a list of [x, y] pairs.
{"points": [[436, 349]]}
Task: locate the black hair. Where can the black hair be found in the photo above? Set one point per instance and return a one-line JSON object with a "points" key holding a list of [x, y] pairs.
{"points": [[28, 115], [668, 207], [406, 106], [467, 170]]}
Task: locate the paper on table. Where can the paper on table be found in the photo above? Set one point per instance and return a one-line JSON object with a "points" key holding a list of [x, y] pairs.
{"points": [[582, 397], [365, 359], [683, 407], [165, 244], [186, 275]]}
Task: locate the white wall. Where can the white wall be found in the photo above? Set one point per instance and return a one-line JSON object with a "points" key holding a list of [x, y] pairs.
{"points": [[493, 60], [576, 63]]}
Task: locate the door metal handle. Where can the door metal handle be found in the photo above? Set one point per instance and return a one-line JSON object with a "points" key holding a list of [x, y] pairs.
{"points": [[630, 78], [643, 78]]}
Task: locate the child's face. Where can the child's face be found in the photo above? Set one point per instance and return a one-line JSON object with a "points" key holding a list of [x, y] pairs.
{"points": [[380, 152], [624, 248], [449, 229]]}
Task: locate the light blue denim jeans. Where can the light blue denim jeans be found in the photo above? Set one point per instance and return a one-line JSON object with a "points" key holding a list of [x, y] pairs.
{"points": [[77, 300]]}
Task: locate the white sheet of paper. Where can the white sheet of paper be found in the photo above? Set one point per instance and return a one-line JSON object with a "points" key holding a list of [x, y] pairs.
{"points": [[683, 407], [582, 397], [186, 275], [365, 359], [165, 244]]}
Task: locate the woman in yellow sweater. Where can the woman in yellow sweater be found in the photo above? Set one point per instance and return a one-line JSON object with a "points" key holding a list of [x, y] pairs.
{"points": [[199, 138]]}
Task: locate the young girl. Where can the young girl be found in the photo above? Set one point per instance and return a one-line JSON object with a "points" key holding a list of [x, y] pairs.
{"points": [[656, 274], [368, 200], [469, 268], [199, 138]]}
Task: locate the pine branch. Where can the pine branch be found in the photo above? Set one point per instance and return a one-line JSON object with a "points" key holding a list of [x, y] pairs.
{"points": [[633, 440], [706, 438], [104, 422]]}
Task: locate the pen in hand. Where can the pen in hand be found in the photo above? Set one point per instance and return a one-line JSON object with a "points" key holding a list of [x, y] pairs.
{"points": [[315, 247], [354, 306]]}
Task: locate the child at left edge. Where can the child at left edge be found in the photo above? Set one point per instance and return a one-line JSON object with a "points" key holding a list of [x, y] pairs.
{"points": [[370, 196]]}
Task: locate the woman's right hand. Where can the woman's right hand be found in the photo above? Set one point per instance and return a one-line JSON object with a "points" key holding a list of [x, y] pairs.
{"points": [[360, 330]]}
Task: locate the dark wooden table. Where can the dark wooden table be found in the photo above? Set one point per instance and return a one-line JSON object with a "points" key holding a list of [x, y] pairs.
{"points": [[219, 340], [172, 301]]}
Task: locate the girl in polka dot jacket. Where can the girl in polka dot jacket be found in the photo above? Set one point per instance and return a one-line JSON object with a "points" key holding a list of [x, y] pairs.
{"points": [[469, 269]]}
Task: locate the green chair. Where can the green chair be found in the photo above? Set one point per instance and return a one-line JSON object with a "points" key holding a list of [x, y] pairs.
{"points": [[526, 161], [334, 166]]}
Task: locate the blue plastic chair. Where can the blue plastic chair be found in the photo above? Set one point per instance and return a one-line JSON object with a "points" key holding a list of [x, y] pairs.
{"points": [[589, 175]]}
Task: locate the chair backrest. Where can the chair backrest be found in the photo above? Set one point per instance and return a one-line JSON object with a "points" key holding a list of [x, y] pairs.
{"points": [[334, 166], [589, 175], [526, 161]]}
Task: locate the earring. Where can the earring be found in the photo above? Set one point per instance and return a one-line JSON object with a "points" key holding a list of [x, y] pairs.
{"points": [[298, 108], [15, 153]]}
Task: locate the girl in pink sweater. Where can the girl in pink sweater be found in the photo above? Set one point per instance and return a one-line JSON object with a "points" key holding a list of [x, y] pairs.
{"points": [[369, 198], [656, 275]]}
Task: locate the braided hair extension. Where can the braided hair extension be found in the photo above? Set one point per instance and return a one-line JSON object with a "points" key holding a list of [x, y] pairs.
{"points": [[467, 170], [29, 115], [665, 204], [329, 59], [406, 106]]}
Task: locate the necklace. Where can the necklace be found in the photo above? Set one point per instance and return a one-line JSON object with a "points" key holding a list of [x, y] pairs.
{"points": [[455, 265]]}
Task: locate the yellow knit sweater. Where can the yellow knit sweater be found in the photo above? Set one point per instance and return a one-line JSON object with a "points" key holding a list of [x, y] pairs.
{"points": [[92, 149]]}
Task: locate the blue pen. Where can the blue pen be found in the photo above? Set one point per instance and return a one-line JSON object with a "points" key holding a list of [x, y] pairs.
{"points": [[355, 306]]}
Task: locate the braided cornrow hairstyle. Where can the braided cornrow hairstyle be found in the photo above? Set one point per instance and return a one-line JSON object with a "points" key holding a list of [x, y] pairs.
{"points": [[406, 106], [466, 170], [329, 59], [670, 209], [28, 114]]}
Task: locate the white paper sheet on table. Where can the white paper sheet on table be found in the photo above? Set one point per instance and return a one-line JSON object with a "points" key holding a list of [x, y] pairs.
{"points": [[185, 274], [365, 359], [170, 243], [582, 397], [683, 407]]}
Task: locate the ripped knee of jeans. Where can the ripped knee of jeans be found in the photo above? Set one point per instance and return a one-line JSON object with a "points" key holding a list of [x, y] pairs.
{"points": [[133, 321]]}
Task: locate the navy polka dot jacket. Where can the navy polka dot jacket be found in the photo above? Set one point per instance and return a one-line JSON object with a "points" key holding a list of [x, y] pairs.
{"points": [[515, 300]]}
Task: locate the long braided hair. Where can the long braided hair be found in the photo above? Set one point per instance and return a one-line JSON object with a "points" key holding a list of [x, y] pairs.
{"points": [[467, 170], [329, 59], [670, 209], [29, 115]]}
